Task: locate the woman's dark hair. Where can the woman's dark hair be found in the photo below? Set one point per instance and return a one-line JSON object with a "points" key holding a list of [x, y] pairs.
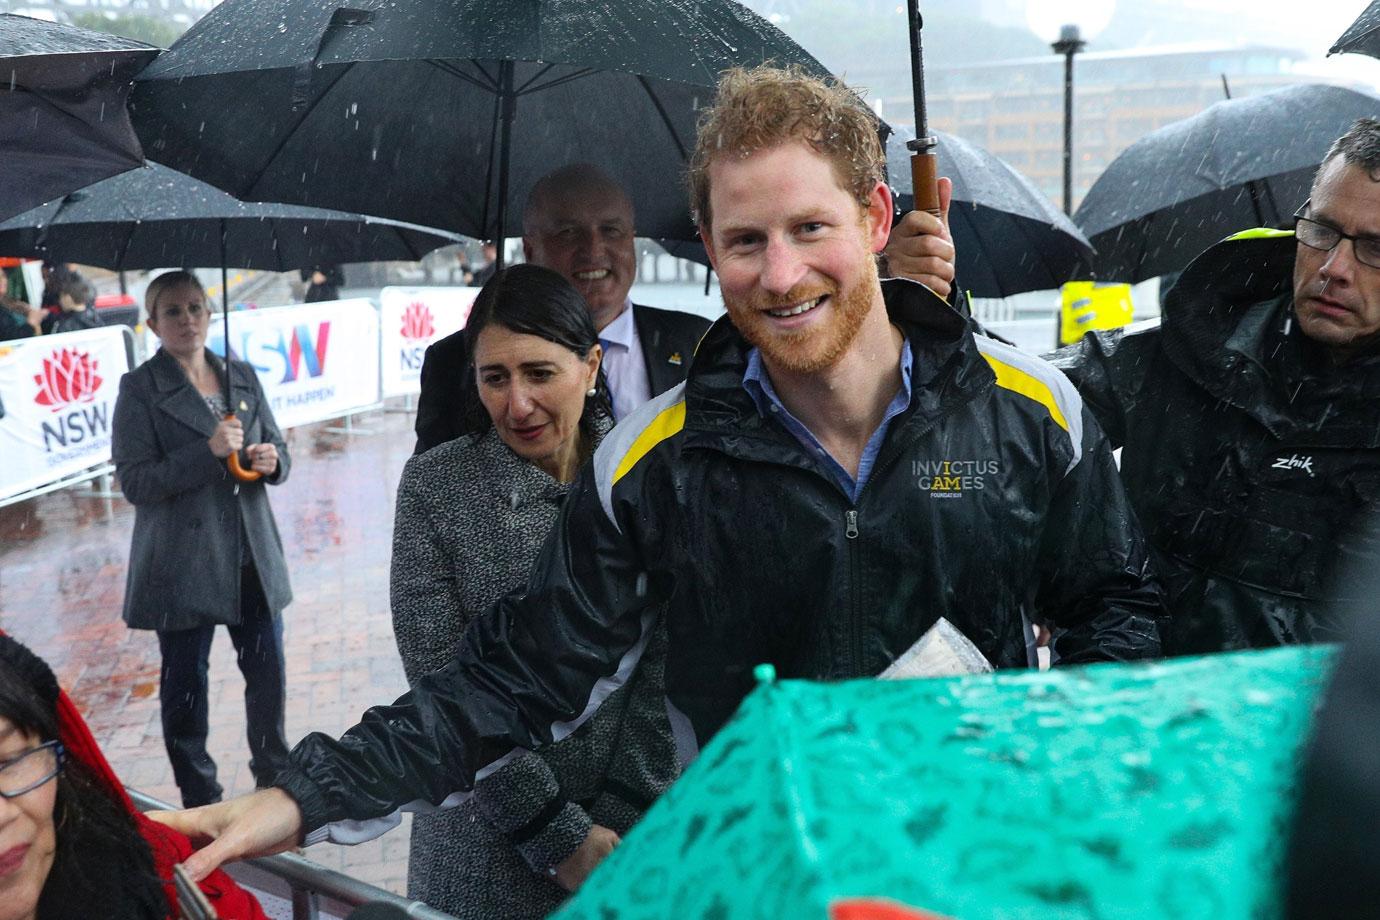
{"points": [[532, 300], [101, 859]]}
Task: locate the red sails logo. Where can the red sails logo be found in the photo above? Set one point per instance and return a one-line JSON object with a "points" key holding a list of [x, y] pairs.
{"points": [[417, 330], [417, 325], [69, 376]]}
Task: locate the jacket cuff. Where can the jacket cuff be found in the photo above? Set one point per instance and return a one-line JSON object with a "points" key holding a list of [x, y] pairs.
{"points": [[550, 838], [310, 802]]}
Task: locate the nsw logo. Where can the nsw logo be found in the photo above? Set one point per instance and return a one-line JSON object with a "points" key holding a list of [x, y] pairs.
{"points": [[417, 324], [69, 376]]}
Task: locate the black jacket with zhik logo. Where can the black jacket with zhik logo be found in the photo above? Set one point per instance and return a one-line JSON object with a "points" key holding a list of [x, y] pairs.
{"points": [[1248, 460], [995, 494]]}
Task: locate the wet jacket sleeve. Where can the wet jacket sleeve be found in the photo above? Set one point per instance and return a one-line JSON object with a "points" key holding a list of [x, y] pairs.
{"points": [[523, 798], [528, 671], [1096, 585], [147, 473], [1108, 368]]}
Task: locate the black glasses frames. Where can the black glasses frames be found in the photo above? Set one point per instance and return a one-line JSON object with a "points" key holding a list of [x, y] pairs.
{"points": [[31, 769], [1325, 237]]}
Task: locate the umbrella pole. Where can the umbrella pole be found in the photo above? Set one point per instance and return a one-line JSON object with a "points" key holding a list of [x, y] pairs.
{"points": [[508, 112], [232, 462], [924, 168], [1250, 186]]}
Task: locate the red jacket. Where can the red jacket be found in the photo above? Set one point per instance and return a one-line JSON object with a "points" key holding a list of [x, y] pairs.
{"points": [[169, 847]]}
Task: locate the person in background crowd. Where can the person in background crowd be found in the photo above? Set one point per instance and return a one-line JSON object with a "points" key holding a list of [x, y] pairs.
{"points": [[18, 320], [76, 300], [51, 272], [845, 464], [1248, 416], [205, 550], [486, 271], [472, 516], [70, 838], [323, 283]]}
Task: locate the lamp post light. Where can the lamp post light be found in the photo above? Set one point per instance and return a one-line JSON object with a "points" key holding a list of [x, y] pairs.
{"points": [[1068, 44]]}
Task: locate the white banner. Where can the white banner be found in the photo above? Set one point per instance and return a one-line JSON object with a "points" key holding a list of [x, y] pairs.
{"points": [[410, 319], [316, 361], [57, 399]]}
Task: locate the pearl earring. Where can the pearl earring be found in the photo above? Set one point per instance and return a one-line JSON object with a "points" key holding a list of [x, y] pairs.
{"points": [[591, 393]]}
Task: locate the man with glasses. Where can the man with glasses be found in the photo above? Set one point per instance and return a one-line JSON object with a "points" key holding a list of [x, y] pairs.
{"points": [[1250, 417]]}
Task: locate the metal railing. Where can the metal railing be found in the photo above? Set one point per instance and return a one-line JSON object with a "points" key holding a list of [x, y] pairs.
{"points": [[307, 883]]}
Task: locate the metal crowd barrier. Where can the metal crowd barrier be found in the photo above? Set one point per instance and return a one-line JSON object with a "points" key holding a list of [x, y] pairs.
{"points": [[308, 887]]}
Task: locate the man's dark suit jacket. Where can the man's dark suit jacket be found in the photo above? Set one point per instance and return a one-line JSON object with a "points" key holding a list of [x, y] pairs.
{"points": [[668, 340]]}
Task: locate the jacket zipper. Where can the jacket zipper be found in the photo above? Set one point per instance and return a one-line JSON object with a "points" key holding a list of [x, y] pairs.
{"points": [[855, 624]]}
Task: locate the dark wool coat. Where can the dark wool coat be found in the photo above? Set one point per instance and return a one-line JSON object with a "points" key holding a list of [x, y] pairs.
{"points": [[471, 519], [184, 560]]}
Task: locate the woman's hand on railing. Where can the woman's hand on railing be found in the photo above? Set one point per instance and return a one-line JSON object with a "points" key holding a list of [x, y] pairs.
{"points": [[261, 824]]}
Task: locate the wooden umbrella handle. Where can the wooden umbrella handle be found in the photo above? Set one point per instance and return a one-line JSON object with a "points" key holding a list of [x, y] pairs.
{"points": [[233, 462], [924, 177]]}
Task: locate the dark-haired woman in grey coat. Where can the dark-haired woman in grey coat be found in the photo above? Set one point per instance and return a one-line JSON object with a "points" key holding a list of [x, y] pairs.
{"points": [[472, 515]]}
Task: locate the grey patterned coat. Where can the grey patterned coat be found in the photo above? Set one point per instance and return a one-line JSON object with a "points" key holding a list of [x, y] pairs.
{"points": [[471, 519]]}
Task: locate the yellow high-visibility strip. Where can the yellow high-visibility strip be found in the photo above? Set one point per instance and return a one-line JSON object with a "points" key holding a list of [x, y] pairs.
{"points": [[1258, 233], [1018, 381], [667, 423]]}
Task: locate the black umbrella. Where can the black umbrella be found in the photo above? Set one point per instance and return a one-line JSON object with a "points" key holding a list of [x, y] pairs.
{"points": [[444, 112], [154, 217], [1363, 36], [1240, 163], [1008, 235], [63, 122]]}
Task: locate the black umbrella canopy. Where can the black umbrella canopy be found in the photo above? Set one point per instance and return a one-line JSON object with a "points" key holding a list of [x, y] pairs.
{"points": [[1363, 36], [1008, 235], [1240, 163], [154, 217], [63, 122], [397, 107]]}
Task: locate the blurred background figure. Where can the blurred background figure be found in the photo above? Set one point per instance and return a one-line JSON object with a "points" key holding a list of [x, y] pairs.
{"points": [[69, 836], [206, 549], [76, 304], [472, 516], [486, 271], [18, 320], [323, 283]]}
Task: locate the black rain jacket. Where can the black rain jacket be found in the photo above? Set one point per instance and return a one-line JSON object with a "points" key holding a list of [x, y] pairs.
{"points": [[1248, 459], [994, 495]]}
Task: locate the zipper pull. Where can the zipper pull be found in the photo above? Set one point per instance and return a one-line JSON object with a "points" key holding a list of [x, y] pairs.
{"points": [[851, 532]]}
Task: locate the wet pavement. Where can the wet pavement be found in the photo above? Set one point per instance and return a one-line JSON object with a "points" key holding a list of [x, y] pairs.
{"points": [[62, 577]]}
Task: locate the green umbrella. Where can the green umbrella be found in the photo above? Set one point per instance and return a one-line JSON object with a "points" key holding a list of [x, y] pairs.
{"points": [[1109, 791]]}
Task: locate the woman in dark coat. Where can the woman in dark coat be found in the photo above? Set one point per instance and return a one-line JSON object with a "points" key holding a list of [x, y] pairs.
{"points": [[472, 515], [206, 550]]}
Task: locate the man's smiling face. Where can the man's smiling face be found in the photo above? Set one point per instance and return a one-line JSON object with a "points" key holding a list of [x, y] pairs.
{"points": [[794, 253], [584, 230]]}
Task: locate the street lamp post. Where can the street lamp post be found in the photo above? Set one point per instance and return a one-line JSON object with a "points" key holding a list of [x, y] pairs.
{"points": [[1068, 44]]}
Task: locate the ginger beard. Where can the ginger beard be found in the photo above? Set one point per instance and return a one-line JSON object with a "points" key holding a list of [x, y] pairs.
{"points": [[816, 347]]}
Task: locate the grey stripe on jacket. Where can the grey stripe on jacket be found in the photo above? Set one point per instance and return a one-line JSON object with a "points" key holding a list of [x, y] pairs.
{"points": [[471, 519]]}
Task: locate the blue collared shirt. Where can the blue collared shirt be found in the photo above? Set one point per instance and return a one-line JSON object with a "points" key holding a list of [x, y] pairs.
{"points": [[769, 405]]}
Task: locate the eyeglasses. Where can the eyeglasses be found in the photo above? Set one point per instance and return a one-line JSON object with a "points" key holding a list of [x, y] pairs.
{"points": [[31, 769], [1325, 237]]}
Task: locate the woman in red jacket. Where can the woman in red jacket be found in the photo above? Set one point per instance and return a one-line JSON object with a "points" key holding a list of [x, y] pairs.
{"points": [[70, 839]]}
